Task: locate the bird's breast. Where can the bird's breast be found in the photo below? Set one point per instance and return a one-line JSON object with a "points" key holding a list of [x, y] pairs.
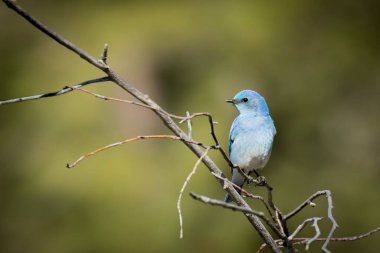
{"points": [[252, 145]]}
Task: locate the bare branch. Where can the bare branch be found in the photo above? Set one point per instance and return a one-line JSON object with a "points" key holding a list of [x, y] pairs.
{"points": [[332, 219], [183, 189], [303, 240], [308, 201], [173, 137], [357, 237], [56, 93], [215, 202], [279, 242], [244, 192], [345, 239], [104, 54], [189, 125], [317, 232], [113, 99], [302, 226]]}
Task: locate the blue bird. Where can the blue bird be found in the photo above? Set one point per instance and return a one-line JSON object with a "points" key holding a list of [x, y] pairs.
{"points": [[251, 135]]}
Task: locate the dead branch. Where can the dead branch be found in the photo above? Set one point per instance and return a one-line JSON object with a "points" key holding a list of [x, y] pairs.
{"points": [[172, 137], [56, 93], [113, 99], [233, 207], [183, 189]]}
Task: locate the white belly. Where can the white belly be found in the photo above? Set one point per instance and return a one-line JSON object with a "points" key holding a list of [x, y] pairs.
{"points": [[252, 150]]}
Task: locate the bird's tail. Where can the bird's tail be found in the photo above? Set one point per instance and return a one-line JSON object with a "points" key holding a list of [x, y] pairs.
{"points": [[228, 198]]}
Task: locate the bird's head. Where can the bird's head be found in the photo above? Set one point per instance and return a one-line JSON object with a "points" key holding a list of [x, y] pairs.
{"points": [[249, 101]]}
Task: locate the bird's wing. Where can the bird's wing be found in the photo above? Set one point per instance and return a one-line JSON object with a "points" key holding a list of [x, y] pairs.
{"points": [[233, 133]]}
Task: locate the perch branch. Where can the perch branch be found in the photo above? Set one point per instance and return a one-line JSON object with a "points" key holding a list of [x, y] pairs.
{"points": [[183, 189], [246, 193], [56, 93]]}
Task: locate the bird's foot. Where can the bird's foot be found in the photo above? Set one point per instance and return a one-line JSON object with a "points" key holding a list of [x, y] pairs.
{"points": [[258, 181]]}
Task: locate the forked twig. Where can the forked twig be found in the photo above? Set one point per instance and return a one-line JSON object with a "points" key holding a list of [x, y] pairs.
{"points": [[233, 207], [327, 193]]}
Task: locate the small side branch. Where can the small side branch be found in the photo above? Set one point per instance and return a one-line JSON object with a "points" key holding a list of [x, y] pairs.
{"points": [[104, 54], [302, 226], [172, 137], [308, 201], [215, 202], [56, 93], [332, 219], [183, 189], [243, 191], [113, 99]]}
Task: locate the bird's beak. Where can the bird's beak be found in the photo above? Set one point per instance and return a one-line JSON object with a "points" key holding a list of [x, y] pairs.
{"points": [[232, 101]]}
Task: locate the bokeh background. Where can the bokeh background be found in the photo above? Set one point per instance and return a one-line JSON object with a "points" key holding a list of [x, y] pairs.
{"points": [[316, 62]]}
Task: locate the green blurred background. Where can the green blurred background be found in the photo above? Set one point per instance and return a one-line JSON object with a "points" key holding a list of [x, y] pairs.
{"points": [[316, 62]]}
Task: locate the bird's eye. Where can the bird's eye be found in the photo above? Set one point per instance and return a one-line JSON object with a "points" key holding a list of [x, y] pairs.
{"points": [[245, 100]]}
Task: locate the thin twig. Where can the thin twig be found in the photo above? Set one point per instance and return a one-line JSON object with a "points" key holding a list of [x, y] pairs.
{"points": [[233, 207], [56, 93], [243, 191], [173, 137], [302, 226], [308, 201], [104, 54], [303, 240], [189, 126], [344, 239], [332, 219], [317, 232], [183, 189], [279, 242], [126, 101], [114, 99]]}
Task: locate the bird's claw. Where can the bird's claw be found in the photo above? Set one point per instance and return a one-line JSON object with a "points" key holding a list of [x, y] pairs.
{"points": [[259, 181]]}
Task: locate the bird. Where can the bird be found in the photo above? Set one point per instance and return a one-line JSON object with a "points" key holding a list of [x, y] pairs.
{"points": [[251, 136]]}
